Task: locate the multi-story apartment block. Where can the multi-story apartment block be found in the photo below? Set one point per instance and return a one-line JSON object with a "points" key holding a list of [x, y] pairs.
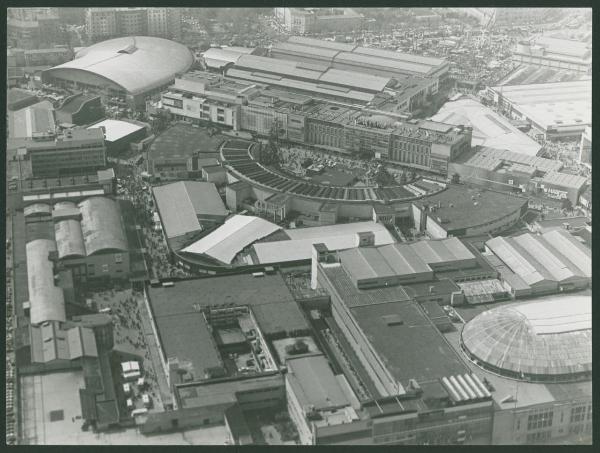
{"points": [[318, 20], [32, 29], [105, 23]]}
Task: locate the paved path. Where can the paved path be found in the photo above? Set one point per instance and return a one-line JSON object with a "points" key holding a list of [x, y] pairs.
{"points": [[154, 349]]}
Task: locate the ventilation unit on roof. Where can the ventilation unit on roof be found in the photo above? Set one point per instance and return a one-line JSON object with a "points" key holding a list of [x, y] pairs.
{"points": [[131, 48], [393, 320]]}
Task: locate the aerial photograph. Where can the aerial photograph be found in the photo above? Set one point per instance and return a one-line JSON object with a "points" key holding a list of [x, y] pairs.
{"points": [[298, 226]]}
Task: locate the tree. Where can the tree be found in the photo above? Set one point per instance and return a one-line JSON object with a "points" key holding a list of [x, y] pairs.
{"points": [[455, 178], [566, 204], [383, 177]]}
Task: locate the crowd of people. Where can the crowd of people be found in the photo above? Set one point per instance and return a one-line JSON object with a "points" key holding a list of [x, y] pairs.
{"points": [[366, 171], [157, 254], [129, 333]]}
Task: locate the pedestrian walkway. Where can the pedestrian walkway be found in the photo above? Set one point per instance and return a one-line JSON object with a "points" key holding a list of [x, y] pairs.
{"points": [[154, 353]]}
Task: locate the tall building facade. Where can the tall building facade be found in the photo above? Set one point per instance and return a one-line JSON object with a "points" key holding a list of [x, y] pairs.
{"points": [[79, 151], [32, 29], [105, 23], [318, 20]]}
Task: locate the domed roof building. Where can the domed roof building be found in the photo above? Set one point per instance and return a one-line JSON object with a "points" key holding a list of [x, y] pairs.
{"points": [[132, 66], [542, 341]]}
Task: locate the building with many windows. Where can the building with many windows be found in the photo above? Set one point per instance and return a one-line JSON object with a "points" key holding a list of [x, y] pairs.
{"points": [[416, 389], [202, 97], [536, 355], [32, 28], [106, 23], [77, 151], [304, 119], [318, 20]]}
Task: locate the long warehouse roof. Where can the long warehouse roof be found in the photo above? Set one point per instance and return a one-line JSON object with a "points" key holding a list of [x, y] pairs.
{"points": [[335, 237], [232, 237], [47, 301], [181, 203]]}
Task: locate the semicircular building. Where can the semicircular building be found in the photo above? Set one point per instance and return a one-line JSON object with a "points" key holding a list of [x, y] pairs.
{"points": [[130, 67]]}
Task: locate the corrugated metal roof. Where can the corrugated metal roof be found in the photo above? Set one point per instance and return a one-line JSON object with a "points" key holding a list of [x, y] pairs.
{"points": [[400, 56], [300, 85], [442, 251], [552, 263], [154, 62], [512, 257], [36, 209], [567, 245], [102, 225], [181, 203], [336, 237], [232, 237], [320, 43], [385, 261], [377, 62], [82, 342], [47, 300], [355, 80], [565, 180], [69, 238], [227, 55], [281, 67], [492, 157], [300, 49]]}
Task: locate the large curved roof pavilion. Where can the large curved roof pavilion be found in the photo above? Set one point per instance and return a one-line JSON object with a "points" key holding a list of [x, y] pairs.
{"points": [[47, 301], [102, 226], [134, 64], [543, 341]]}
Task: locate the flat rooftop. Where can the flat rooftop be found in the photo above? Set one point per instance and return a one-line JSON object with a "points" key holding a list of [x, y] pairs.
{"points": [[414, 349], [552, 104], [44, 394], [181, 141], [354, 297], [269, 298], [464, 213], [314, 383], [116, 129], [199, 395], [494, 159], [186, 336]]}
